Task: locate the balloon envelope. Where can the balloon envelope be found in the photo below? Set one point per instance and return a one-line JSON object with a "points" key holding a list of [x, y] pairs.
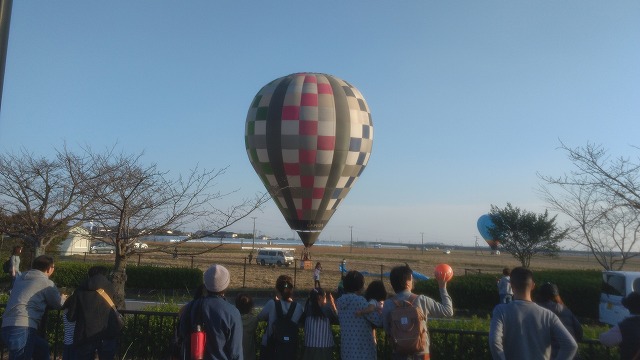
{"points": [[484, 224], [309, 137]]}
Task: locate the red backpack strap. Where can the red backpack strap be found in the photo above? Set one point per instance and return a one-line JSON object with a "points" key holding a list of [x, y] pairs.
{"points": [[396, 302], [412, 299]]}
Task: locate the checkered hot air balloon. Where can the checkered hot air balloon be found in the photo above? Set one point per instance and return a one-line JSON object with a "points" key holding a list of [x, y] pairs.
{"points": [[308, 137]]}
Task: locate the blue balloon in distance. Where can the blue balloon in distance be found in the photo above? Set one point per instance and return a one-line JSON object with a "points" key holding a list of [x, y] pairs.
{"points": [[484, 224]]}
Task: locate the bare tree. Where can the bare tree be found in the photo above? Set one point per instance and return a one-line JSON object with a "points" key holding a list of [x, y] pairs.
{"points": [[600, 195], [135, 200], [41, 198], [593, 167]]}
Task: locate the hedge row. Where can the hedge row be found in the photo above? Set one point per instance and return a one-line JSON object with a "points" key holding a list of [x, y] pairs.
{"points": [[579, 289], [70, 274], [477, 294]]}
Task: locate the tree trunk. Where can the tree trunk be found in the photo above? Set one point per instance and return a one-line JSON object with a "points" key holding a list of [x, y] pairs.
{"points": [[119, 279], [39, 250]]}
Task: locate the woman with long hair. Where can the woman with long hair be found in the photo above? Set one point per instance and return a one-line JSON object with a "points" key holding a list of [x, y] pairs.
{"points": [[549, 298], [320, 313], [270, 348]]}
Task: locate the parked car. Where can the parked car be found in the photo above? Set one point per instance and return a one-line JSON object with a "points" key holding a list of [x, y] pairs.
{"points": [[140, 245], [616, 285], [102, 248]]}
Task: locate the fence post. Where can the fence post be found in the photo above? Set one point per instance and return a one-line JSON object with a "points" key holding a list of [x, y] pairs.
{"points": [[295, 272], [244, 272], [85, 256], [139, 256], [381, 272], [192, 261]]}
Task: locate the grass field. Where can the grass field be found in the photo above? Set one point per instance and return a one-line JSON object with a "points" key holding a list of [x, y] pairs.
{"points": [[372, 260]]}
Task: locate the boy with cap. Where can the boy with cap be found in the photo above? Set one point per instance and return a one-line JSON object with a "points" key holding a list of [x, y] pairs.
{"points": [[220, 320], [627, 332]]}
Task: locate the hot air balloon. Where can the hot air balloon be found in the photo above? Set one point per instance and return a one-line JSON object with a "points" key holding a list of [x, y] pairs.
{"points": [[484, 224], [309, 137]]}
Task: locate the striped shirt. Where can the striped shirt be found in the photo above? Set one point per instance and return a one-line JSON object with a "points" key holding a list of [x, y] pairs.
{"points": [[317, 332], [69, 328]]}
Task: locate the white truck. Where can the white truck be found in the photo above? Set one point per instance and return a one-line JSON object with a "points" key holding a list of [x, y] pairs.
{"points": [[615, 286], [275, 256]]}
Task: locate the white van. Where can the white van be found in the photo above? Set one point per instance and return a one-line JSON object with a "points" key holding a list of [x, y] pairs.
{"points": [[615, 286], [275, 256]]}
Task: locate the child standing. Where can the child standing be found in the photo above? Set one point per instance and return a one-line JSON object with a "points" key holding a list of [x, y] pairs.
{"points": [[316, 275], [504, 287], [244, 304], [375, 294], [68, 351], [320, 311]]}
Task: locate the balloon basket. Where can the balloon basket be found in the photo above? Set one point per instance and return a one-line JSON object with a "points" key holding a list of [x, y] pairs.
{"points": [[306, 264]]}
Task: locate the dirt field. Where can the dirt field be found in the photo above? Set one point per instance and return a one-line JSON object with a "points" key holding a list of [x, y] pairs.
{"points": [[375, 261]]}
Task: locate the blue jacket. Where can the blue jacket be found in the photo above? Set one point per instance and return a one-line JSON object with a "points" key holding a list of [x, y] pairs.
{"points": [[222, 324]]}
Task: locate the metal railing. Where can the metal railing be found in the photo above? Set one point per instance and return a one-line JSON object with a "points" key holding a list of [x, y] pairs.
{"points": [[453, 344], [148, 335]]}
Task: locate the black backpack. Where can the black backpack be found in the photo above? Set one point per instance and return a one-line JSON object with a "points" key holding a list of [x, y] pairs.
{"points": [[285, 333], [6, 267]]}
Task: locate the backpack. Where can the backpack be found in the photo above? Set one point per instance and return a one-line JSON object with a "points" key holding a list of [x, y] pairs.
{"points": [[408, 327], [285, 333], [6, 266]]}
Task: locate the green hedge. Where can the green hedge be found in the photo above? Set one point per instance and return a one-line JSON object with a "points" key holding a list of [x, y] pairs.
{"points": [[151, 277], [478, 294], [475, 294], [70, 274]]}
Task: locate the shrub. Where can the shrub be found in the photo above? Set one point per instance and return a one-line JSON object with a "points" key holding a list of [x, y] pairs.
{"points": [[70, 274], [151, 277], [475, 293], [579, 289], [161, 322], [478, 294]]}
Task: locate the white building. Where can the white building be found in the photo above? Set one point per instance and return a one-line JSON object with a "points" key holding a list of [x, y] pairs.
{"points": [[77, 242]]}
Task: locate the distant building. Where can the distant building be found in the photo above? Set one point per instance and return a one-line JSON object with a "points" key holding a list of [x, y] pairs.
{"points": [[77, 242], [217, 234]]}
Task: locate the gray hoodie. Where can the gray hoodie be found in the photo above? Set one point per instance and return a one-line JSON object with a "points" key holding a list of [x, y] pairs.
{"points": [[31, 294]]}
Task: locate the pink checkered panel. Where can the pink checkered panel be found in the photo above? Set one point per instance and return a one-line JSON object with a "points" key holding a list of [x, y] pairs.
{"points": [[308, 136]]}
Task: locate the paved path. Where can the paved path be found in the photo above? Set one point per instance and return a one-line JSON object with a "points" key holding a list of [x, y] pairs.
{"points": [[140, 304]]}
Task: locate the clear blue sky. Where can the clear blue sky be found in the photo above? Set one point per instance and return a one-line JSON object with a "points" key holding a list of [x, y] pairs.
{"points": [[469, 98]]}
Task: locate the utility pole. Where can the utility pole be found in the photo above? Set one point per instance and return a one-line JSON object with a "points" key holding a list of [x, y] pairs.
{"points": [[253, 244], [5, 20], [351, 249], [422, 234]]}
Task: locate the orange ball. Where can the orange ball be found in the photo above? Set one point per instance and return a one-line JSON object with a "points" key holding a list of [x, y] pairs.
{"points": [[443, 271]]}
